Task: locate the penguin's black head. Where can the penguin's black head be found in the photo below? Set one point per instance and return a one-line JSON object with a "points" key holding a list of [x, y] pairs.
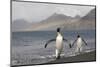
{"points": [[58, 29], [78, 36]]}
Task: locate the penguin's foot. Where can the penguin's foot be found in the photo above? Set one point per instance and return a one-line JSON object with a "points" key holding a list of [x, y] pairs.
{"points": [[58, 57]]}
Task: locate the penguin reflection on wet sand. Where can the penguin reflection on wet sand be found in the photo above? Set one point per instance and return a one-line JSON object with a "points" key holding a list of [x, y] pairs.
{"points": [[79, 42], [59, 40]]}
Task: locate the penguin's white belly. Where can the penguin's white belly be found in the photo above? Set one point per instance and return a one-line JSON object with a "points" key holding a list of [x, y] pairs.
{"points": [[79, 42], [59, 42]]}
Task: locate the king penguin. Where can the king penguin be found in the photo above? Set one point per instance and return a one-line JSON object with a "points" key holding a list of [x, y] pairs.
{"points": [[79, 41], [59, 43]]}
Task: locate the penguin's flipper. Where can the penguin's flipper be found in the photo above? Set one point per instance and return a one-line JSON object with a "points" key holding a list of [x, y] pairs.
{"points": [[73, 43], [49, 42], [70, 45], [67, 41], [84, 41]]}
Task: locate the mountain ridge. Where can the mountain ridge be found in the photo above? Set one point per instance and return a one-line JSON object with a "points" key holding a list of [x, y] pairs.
{"points": [[59, 20]]}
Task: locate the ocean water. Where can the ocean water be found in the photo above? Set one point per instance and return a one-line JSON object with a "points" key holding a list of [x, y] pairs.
{"points": [[28, 47]]}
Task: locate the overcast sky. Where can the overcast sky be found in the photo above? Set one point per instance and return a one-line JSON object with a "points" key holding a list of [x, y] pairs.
{"points": [[35, 12]]}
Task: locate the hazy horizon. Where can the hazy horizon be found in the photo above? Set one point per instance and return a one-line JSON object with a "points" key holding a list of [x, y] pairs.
{"points": [[41, 11]]}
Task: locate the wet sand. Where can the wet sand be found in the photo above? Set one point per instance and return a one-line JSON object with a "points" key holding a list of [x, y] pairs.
{"points": [[84, 57]]}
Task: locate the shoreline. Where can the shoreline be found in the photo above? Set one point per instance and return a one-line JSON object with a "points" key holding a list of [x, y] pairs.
{"points": [[85, 57]]}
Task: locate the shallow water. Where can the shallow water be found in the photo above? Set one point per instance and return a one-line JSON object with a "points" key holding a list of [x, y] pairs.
{"points": [[28, 47]]}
